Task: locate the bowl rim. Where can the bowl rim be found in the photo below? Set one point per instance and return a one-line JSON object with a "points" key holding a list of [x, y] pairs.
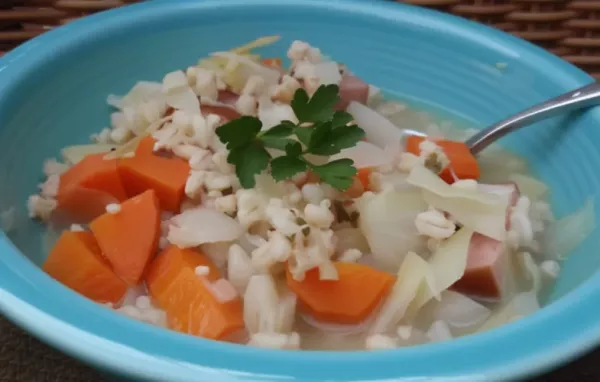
{"points": [[548, 347]]}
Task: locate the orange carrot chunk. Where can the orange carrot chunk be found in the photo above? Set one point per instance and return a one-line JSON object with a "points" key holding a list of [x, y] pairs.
{"points": [[86, 188], [188, 299], [129, 238], [462, 161], [76, 261], [166, 176], [145, 147], [349, 300]]}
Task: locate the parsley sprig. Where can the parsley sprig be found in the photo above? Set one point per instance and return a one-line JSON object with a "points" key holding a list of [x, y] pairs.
{"points": [[321, 131]]}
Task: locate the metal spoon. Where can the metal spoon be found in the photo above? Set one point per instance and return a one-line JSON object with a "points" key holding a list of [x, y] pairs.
{"points": [[583, 97]]}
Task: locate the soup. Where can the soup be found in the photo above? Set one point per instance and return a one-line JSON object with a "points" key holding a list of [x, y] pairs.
{"points": [[297, 208]]}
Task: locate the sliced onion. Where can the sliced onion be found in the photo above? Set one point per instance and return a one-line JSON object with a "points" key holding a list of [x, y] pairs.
{"points": [[183, 99], [566, 234], [459, 311], [412, 275], [523, 304], [217, 252], [239, 267], [387, 221], [439, 331], [328, 73], [271, 76], [378, 129], [261, 304], [202, 225], [141, 92], [480, 211], [365, 154]]}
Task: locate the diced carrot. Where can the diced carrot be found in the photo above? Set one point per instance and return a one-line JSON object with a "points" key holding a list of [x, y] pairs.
{"points": [[129, 238], [275, 62], [166, 176], [364, 175], [146, 146], [85, 188], [462, 162], [485, 268], [349, 300], [76, 261], [191, 305]]}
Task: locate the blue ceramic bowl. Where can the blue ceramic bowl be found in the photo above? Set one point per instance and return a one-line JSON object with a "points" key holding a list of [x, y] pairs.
{"points": [[52, 94]]}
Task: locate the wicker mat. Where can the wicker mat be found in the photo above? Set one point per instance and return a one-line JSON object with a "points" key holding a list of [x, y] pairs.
{"points": [[25, 359]]}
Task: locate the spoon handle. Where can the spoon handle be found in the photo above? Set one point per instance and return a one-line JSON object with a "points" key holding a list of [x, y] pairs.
{"points": [[586, 96]]}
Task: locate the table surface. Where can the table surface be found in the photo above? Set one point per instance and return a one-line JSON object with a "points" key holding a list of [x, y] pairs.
{"points": [[23, 358]]}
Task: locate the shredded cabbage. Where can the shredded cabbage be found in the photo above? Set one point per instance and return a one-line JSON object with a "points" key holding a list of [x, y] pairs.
{"points": [[413, 273], [447, 266], [387, 220], [74, 154], [530, 187], [264, 309], [482, 212], [567, 233], [458, 311], [243, 68]]}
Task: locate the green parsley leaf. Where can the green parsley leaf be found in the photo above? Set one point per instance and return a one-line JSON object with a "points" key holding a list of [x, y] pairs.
{"points": [[284, 129], [304, 134], [293, 149], [328, 141], [339, 173], [341, 118], [250, 161], [319, 107], [276, 143], [239, 132], [320, 136], [286, 166]]}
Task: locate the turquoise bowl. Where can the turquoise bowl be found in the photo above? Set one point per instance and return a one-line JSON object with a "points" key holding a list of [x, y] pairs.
{"points": [[52, 94]]}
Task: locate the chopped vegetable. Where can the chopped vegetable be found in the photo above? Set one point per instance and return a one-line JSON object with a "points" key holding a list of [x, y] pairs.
{"points": [[387, 220], [463, 164], [378, 130], [166, 176], [202, 225], [348, 300], [77, 262], [482, 212], [188, 299], [265, 310], [414, 274], [129, 238], [87, 187], [365, 154], [459, 311], [566, 234], [447, 266], [248, 144]]}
